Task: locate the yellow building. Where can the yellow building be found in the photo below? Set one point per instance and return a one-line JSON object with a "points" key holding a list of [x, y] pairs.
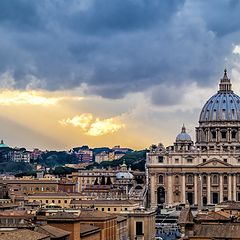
{"points": [[109, 206], [58, 199]]}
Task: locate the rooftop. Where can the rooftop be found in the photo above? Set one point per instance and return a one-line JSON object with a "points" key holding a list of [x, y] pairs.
{"points": [[21, 234], [86, 229], [53, 232]]}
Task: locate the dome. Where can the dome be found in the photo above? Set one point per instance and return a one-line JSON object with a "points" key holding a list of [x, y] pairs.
{"points": [[223, 106], [124, 175], [3, 145], [183, 136]]}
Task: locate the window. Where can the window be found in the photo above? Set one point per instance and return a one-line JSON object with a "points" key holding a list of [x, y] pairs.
{"points": [[238, 179], [225, 179], [160, 179], [204, 179], [215, 179], [225, 160], [126, 209], [53, 201], [176, 160], [190, 179], [189, 160], [46, 201], [213, 134], [59, 201], [115, 209], [96, 208], [139, 228], [234, 134], [176, 180], [109, 209], [102, 209], [204, 160], [160, 159], [65, 201]]}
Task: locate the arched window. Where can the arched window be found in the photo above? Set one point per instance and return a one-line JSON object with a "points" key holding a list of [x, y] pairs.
{"points": [[215, 179], [238, 179], [204, 179], [160, 179], [176, 180], [190, 179], [225, 179]]}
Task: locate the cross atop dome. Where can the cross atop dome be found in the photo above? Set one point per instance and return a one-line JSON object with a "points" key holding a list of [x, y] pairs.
{"points": [[225, 83]]}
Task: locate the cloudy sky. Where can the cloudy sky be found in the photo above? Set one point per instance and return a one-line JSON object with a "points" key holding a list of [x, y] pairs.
{"points": [[111, 72]]}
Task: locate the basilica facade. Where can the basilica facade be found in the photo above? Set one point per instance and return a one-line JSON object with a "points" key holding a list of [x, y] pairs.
{"points": [[204, 172]]}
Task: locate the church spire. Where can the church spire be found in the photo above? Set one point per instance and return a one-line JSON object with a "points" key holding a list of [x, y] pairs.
{"points": [[225, 83]]}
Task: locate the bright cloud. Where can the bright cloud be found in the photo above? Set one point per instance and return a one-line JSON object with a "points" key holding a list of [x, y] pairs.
{"points": [[84, 120], [236, 49], [94, 127], [103, 127]]}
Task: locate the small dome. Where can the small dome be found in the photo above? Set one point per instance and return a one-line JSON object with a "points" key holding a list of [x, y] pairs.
{"points": [[3, 145], [124, 175], [183, 136], [223, 106]]}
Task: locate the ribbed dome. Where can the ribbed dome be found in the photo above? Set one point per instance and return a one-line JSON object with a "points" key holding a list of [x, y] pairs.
{"points": [[183, 136], [223, 106], [124, 175]]}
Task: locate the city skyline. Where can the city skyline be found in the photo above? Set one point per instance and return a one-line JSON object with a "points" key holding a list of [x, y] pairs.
{"points": [[124, 73]]}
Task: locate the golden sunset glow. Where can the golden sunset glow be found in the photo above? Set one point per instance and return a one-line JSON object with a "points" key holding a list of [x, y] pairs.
{"points": [[14, 97]]}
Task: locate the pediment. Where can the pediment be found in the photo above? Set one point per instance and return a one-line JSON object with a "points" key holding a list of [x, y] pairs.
{"points": [[214, 162]]}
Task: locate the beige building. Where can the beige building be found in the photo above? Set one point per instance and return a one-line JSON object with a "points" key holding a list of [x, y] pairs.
{"points": [[207, 172], [57, 199], [141, 224]]}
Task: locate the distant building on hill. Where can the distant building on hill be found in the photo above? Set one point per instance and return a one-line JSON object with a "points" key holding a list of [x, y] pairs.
{"points": [[84, 154]]}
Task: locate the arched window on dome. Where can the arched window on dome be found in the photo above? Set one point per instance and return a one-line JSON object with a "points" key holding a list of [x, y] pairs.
{"points": [[234, 134], [213, 134], [160, 179], [224, 134]]}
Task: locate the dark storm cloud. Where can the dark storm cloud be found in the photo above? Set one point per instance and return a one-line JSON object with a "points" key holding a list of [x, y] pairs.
{"points": [[116, 46]]}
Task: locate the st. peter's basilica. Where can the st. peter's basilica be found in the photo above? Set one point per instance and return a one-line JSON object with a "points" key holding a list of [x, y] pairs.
{"points": [[207, 172]]}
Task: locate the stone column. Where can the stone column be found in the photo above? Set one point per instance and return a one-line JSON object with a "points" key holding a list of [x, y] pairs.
{"points": [[208, 188], [199, 191], [221, 187], [238, 133], [195, 189], [234, 188], [183, 188], [169, 189], [230, 135], [229, 187], [153, 187], [208, 137]]}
